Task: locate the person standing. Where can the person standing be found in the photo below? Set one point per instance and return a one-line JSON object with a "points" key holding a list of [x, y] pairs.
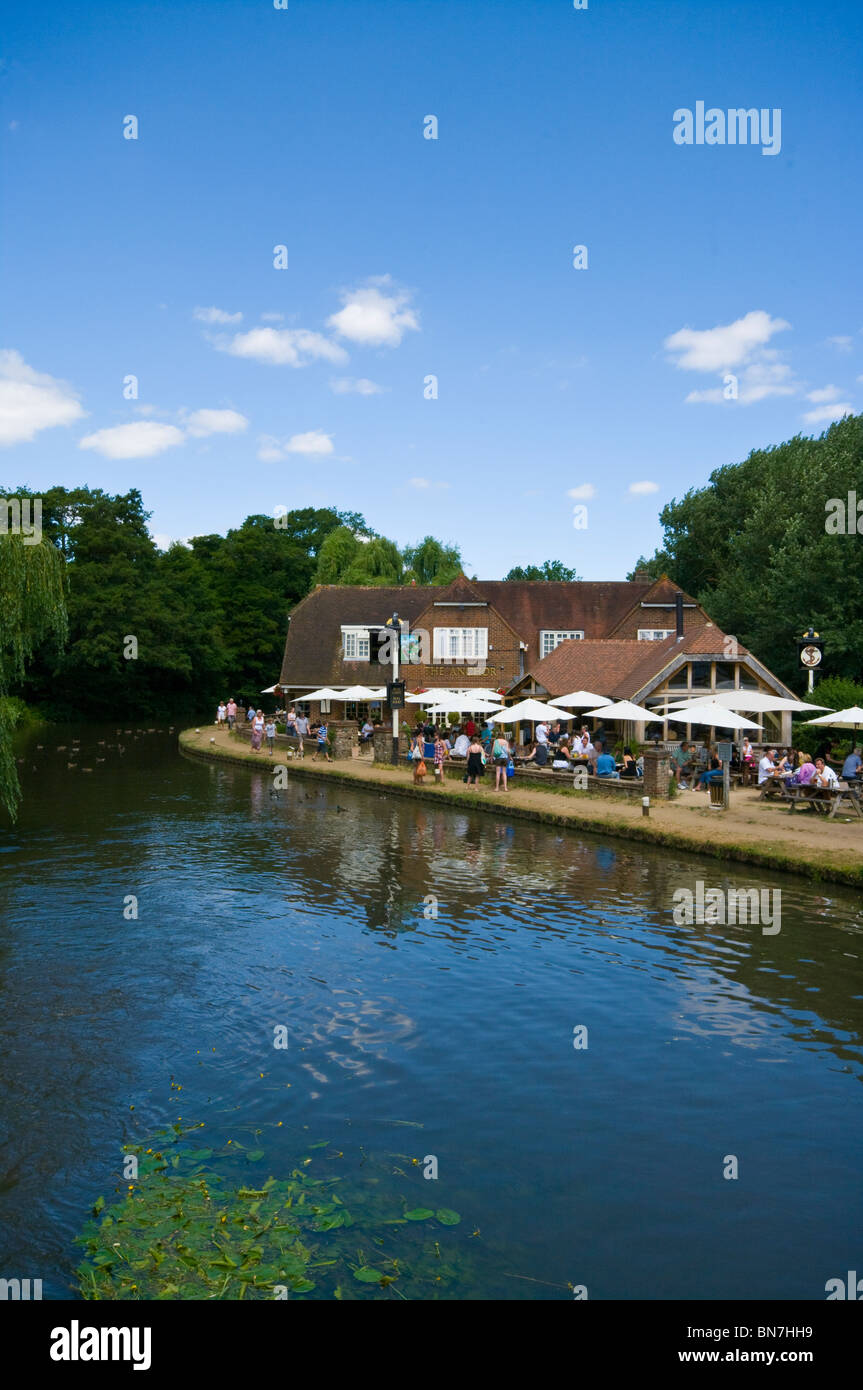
{"points": [[440, 755], [322, 744], [475, 762], [257, 730], [231, 711], [221, 713], [291, 722], [500, 754], [270, 731], [302, 723]]}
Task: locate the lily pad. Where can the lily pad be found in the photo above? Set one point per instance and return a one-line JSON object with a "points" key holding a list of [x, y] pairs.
{"points": [[367, 1275], [419, 1214], [447, 1217]]}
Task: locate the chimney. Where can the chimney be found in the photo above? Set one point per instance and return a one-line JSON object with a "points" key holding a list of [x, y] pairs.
{"points": [[678, 605]]}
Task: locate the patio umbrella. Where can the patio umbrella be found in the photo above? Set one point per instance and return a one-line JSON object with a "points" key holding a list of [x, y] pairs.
{"points": [[626, 711], [579, 699], [851, 718], [270, 690], [324, 694], [753, 701], [529, 710], [715, 715], [456, 705], [361, 692], [427, 697]]}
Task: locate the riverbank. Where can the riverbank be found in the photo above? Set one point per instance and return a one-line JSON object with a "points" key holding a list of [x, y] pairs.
{"points": [[751, 831]]}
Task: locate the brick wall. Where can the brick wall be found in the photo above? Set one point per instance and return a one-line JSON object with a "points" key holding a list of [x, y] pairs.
{"points": [[693, 619], [502, 662]]}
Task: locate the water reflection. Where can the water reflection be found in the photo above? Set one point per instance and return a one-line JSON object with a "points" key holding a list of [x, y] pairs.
{"points": [[306, 908]]}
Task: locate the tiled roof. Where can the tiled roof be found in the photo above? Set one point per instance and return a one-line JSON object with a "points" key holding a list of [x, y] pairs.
{"points": [[619, 669], [313, 651]]}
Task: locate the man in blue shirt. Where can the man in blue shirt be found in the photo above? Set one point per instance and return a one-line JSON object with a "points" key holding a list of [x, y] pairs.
{"points": [[606, 766], [852, 764]]}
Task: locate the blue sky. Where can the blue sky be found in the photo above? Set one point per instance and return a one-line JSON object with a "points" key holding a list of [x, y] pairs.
{"points": [[410, 257]]}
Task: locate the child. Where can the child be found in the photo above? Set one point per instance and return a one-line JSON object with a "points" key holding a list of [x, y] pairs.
{"points": [[322, 744], [270, 731], [440, 753]]}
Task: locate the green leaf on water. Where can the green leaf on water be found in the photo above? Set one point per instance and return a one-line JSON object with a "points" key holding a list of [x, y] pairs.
{"points": [[98, 1205], [255, 1155], [368, 1276], [447, 1217], [419, 1214]]}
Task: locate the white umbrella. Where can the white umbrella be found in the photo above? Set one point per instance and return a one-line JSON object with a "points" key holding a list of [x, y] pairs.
{"points": [[360, 692], [850, 718], [626, 711], [753, 701], [456, 705], [717, 716], [579, 699], [529, 710], [427, 697], [324, 694], [270, 690]]}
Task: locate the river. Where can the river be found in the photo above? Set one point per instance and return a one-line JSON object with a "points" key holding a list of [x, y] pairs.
{"points": [[432, 970]]}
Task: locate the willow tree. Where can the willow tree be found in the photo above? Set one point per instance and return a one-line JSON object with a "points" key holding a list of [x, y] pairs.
{"points": [[32, 611]]}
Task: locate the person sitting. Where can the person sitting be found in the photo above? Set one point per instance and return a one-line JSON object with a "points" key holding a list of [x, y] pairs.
{"points": [[767, 769], [554, 733], [607, 767], [683, 765], [367, 731], [538, 755], [462, 744], [851, 766], [630, 767], [824, 775], [562, 755], [804, 774], [713, 774]]}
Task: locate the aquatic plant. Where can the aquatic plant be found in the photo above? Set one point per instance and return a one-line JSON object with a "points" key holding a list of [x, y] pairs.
{"points": [[183, 1231]]}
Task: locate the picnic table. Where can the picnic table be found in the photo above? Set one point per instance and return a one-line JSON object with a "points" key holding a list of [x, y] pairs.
{"points": [[824, 801]]}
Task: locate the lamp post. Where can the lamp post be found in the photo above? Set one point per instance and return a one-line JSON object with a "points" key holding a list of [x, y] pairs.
{"points": [[396, 690]]}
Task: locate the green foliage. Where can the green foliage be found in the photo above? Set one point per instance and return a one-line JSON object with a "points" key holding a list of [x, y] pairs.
{"points": [[836, 693], [548, 571], [431, 562], [184, 1231], [753, 548], [32, 613]]}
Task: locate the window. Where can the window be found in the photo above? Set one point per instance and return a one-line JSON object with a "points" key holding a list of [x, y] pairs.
{"points": [[655, 634], [549, 640], [355, 643], [725, 675], [460, 643], [700, 675]]}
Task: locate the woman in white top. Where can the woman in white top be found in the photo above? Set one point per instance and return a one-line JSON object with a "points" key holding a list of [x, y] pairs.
{"points": [[257, 731]]}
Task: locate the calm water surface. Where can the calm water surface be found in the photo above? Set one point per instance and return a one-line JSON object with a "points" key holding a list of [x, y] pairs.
{"points": [[415, 1035]]}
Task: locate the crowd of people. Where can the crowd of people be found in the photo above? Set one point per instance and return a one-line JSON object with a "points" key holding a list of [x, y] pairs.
{"points": [[479, 745]]}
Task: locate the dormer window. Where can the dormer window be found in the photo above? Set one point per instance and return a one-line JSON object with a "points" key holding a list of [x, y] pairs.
{"points": [[548, 640], [356, 643]]}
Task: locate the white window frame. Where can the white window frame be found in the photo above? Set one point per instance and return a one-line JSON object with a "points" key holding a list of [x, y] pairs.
{"points": [[452, 644], [569, 635], [655, 634], [356, 638]]}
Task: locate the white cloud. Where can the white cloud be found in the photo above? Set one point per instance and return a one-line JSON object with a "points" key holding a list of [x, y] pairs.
{"points": [[283, 347], [31, 401], [372, 317], [825, 393], [583, 493], [727, 345], [140, 440], [273, 318], [312, 443], [642, 489], [827, 413], [755, 383], [214, 315], [204, 422], [842, 342], [355, 386]]}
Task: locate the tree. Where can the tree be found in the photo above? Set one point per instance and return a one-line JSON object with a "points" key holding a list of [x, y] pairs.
{"points": [[431, 562], [336, 555], [754, 549], [549, 571], [378, 561], [32, 604]]}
